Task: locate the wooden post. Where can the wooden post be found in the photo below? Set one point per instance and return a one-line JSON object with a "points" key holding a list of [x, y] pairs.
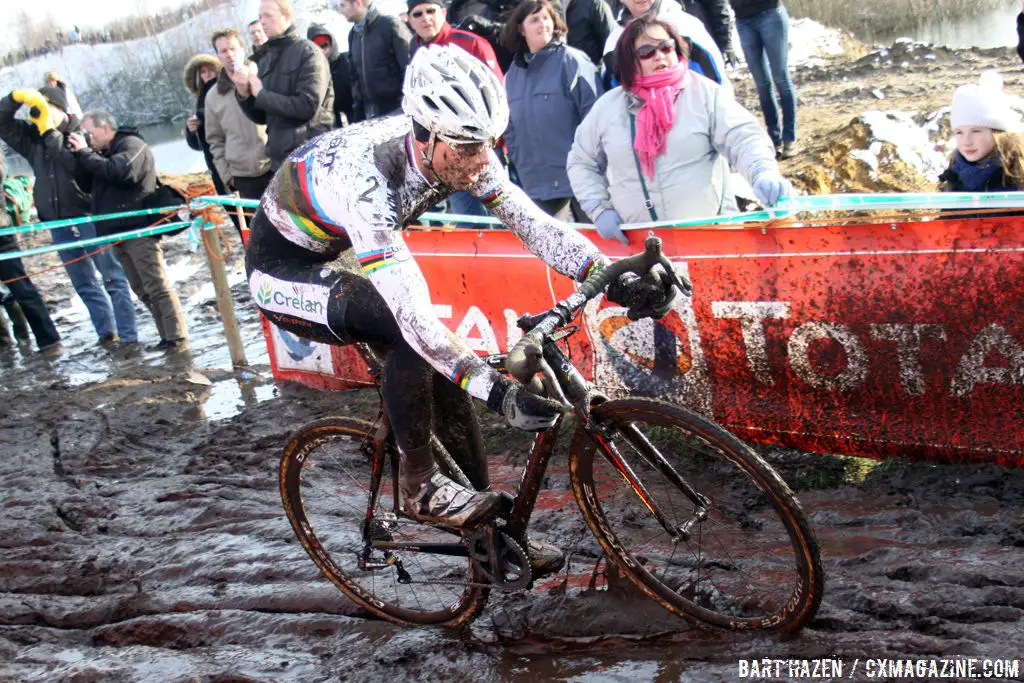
{"points": [[215, 258]]}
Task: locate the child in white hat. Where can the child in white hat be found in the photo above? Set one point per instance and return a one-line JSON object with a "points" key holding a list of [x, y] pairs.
{"points": [[989, 154]]}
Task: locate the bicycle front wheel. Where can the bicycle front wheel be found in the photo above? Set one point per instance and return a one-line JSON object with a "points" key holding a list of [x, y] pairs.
{"points": [[326, 486], [695, 518]]}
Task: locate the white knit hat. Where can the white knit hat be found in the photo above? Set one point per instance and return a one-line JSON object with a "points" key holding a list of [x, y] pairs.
{"points": [[984, 104]]}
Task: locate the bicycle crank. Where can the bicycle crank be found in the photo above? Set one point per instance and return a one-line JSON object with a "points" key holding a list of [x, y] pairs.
{"points": [[499, 558]]}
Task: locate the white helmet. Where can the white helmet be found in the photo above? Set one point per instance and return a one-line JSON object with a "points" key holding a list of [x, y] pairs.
{"points": [[454, 95]]}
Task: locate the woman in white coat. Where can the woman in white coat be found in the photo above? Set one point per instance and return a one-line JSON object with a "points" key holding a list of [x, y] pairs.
{"points": [[659, 146]]}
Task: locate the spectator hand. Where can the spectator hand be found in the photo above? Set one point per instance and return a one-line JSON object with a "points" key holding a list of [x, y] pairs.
{"points": [[607, 225], [39, 112], [733, 60], [241, 79], [192, 124], [76, 141], [771, 188], [255, 84]]}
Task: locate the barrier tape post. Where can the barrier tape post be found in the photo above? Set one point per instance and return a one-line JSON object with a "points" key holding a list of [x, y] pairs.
{"points": [[222, 291]]}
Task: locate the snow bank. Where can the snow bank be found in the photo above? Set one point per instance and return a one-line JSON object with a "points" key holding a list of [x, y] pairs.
{"points": [[810, 43], [139, 81]]}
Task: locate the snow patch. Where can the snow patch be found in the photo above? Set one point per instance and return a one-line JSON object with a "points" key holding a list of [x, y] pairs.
{"points": [[912, 142]]}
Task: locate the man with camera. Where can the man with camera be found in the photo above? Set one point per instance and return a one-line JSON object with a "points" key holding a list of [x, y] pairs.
{"points": [[62, 191], [123, 174]]}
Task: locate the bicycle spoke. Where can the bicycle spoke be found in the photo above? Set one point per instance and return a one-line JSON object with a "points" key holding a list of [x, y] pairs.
{"points": [[332, 481], [736, 562]]}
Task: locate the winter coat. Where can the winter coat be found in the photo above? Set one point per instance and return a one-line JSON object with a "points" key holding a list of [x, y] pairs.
{"points": [[470, 42], [194, 85], [704, 53], [1020, 35], [61, 189], [7, 242], [379, 53], [711, 130], [341, 76], [238, 146], [949, 181], [716, 19], [745, 9], [590, 22], [123, 177], [549, 94], [297, 100]]}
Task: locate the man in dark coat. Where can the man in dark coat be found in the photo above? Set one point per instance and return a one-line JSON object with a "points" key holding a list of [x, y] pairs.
{"points": [[589, 23], [718, 21], [379, 50], [341, 72], [123, 178], [289, 89], [61, 191], [12, 271]]}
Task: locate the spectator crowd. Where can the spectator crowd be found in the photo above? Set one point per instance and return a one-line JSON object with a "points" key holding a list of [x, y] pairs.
{"points": [[620, 112]]}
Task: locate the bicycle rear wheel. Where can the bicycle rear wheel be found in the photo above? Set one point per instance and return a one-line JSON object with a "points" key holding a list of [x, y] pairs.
{"points": [[325, 480], [751, 563]]}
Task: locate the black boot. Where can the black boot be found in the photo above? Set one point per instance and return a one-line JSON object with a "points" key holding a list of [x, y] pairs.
{"points": [[18, 322]]}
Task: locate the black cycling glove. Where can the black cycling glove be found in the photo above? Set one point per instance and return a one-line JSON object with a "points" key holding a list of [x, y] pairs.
{"points": [[650, 296], [523, 409]]}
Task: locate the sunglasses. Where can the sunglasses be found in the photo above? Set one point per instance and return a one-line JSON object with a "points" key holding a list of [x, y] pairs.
{"points": [[420, 12], [665, 47], [467, 148]]}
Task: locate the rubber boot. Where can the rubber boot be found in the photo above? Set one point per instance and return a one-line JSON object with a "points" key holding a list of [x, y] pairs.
{"points": [[18, 321]]}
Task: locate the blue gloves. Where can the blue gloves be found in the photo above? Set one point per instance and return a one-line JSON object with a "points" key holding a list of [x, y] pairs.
{"points": [[607, 225], [771, 188]]}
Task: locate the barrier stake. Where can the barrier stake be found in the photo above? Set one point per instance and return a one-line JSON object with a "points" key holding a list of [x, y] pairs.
{"points": [[215, 258]]}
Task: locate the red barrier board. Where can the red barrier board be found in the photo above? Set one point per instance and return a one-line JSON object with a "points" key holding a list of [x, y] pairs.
{"points": [[870, 339]]}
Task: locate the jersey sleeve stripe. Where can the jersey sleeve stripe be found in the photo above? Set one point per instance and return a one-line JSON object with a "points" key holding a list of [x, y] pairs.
{"points": [[376, 260], [303, 171], [588, 268]]}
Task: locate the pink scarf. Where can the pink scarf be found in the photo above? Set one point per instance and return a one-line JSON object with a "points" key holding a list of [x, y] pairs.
{"points": [[657, 114]]}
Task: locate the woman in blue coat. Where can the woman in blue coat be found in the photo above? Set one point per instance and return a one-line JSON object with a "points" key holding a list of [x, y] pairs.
{"points": [[550, 87]]}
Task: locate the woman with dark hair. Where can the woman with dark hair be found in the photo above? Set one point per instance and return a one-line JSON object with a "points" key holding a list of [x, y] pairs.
{"points": [[658, 147], [550, 87]]}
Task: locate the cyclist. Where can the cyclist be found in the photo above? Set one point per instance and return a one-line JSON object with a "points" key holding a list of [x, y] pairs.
{"points": [[326, 260]]}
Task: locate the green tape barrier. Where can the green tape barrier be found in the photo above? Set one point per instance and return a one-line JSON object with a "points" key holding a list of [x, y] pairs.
{"points": [[94, 241], [794, 205], [68, 222]]}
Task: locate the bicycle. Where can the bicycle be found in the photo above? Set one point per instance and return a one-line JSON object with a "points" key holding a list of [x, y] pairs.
{"points": [[689, 513]]}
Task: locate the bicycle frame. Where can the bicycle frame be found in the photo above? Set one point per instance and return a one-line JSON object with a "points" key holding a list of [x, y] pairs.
{"points": [[564, 381]]}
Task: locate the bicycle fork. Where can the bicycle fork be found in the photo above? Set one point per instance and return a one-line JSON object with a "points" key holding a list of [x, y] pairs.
{"points": [[650, 454]]}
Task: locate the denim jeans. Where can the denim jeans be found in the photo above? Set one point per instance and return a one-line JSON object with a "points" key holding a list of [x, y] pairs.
{"points": [[465, 204], [90, 285], [765, 41], [32, 304]]}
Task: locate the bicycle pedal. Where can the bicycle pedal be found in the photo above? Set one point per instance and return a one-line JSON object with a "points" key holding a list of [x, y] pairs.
{"points": [[508, 502]]}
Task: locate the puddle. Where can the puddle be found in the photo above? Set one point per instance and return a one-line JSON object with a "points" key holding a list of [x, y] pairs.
{"points": [[228, 398]]}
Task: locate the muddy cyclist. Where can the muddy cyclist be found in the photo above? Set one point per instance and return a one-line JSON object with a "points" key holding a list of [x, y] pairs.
{"points": [[326, 260]]}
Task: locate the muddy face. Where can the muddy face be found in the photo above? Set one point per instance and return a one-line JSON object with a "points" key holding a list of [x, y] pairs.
{"points": [[459, 166]]}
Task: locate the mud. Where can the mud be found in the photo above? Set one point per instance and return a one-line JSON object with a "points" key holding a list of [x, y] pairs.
{"points": [[142, 536]]}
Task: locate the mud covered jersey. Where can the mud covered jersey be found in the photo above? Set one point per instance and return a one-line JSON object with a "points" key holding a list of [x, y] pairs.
{"points": [[359, 186]]}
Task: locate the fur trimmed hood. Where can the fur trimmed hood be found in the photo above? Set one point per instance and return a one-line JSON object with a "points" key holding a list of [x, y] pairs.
{"points": [[190, 75]]}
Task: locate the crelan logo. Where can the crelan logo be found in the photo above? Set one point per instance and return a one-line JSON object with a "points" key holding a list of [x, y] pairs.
{"points": [[265, 294]]}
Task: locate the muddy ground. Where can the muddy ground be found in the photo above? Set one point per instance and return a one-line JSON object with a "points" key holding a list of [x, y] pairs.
{"points": [[142, 536]]}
